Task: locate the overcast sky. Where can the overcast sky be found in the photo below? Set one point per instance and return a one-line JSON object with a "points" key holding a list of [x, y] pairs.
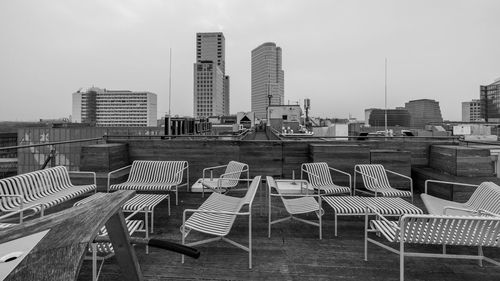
{"points": [[333, 51]]}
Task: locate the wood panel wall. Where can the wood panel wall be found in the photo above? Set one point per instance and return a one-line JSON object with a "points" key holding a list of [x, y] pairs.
{"points": [[276, 158]]}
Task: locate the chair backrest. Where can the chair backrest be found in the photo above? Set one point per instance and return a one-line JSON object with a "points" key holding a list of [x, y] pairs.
{"points": [[486, 197], [252, 190], [374, 176], [438, 230], [33, 185], [157, 171], [233, 173], [318, 173]]}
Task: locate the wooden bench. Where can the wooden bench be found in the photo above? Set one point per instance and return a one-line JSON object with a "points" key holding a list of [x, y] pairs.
{"points": [[147, 175], [216, 217], [36, 191]]}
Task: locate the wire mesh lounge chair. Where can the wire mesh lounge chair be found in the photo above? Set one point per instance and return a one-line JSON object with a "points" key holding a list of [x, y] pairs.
{"points": [[298, 204], [320, 178], [485, 197], [216, 217], [376, 182], [229, 179]]}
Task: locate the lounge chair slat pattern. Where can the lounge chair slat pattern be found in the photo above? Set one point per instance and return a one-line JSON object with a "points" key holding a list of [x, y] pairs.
{"points": [[216, 216], [44, 188], [485, 197], [229, 179], [320, 179], [375, 180]]}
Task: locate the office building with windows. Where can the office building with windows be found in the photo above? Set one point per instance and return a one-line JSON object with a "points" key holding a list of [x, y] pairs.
{"points": [[211, 84], [395, 117], [107, 108], [471, 111], [268, 87], [490, 101], [424, 112]]}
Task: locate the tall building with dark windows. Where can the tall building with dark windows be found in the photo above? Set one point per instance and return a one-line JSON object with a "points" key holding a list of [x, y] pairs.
{"points": [[268, 86], [395, 117], [211, 84], [490, 101], [423, 112]]}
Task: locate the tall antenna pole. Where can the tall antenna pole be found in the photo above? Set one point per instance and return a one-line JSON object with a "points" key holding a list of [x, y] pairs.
{"points": [[385, 94], [170, 83]]}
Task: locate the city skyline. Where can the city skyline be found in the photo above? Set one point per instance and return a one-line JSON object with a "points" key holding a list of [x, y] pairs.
{"points": [[334, 51]]}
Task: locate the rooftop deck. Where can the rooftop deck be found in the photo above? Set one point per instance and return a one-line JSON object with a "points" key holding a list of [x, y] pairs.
{"points": [[293, 252]]}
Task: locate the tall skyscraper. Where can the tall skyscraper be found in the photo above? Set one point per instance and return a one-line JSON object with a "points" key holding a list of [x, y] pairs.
{"points": [[106, 108], [490, 101], [211, 84], [471, 111], [423, 112], [268, 87]]}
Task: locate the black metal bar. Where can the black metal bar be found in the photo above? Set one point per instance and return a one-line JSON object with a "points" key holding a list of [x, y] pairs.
{"points": [[48, 143]]}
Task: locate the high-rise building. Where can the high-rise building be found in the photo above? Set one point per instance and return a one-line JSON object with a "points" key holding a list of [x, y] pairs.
{"points": [[471, 111], [268, 87], [490, 101], [211, 84], [106, 108], [423, 112]]}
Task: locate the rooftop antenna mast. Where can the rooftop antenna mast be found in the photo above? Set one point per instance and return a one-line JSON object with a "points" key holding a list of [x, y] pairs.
{"points": [[385, 94], [170, 83]]}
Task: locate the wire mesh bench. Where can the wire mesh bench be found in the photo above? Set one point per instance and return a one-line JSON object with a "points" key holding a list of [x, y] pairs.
{"points": [[474, 231], [153, 176], [36, 191]]}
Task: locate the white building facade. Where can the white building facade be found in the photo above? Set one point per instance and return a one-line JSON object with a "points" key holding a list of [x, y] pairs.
{"points": [[471, 111], [211, 84], [107, 108], [268, 86]]}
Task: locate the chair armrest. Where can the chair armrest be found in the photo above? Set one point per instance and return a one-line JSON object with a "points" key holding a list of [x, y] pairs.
{"points": [[215, 212], [116, 171], [403, 176], [212, 168], [342, 172], [446, 208], [93, 174], [483, 211], [448, 182]]}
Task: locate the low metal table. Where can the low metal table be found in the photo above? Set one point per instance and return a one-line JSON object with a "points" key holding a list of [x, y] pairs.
{"points": [[356, 206], [145, 202]]}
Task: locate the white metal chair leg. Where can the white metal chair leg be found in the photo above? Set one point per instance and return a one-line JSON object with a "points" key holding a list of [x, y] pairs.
{"points": [[401, 261], [94, 261]]}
